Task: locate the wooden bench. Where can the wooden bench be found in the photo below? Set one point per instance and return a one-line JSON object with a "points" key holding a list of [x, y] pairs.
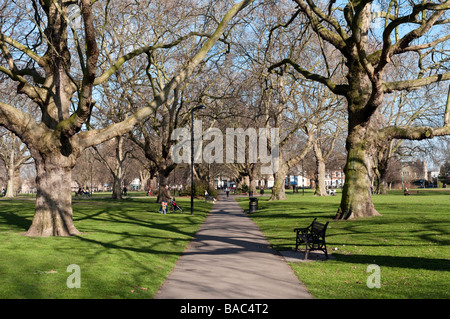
{"points": [[313, 237], [410, 192]]}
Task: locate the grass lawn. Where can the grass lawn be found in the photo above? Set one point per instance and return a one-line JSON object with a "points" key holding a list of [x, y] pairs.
{"points": [[126, 249], [409, 243]]}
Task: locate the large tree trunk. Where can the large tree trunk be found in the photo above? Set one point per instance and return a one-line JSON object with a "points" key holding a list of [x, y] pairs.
{"points": [[117, 187], [380, 176], [278, 191], [53, 91], [356, 196], [252, 178], [53, 216], [252, 186], [382, 187]]}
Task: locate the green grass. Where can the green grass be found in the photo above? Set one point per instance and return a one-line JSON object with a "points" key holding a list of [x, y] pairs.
{"points": [[126, 249], [409, 242]]}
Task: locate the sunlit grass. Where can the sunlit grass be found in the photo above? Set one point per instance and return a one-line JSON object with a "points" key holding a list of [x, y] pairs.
{"points": [[126, 249], [409, 242]]}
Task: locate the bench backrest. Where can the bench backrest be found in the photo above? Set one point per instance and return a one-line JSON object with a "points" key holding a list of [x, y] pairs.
{"points": [[319, 228]]}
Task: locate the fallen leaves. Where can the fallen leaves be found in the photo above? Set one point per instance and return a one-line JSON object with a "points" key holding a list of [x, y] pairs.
{"points": [[40, 272], [138, 289]]}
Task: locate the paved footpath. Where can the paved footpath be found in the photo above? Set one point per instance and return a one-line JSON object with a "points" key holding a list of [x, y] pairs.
{"points": [[229, 258]]}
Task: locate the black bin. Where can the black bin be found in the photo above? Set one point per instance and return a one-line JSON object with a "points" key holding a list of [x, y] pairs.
{"points": [[253, 205]]}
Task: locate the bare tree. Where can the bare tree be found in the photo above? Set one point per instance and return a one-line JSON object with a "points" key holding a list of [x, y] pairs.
{"points": [[323, 147], [40, 59], [117, 159], [14, 154], [411, 31]]}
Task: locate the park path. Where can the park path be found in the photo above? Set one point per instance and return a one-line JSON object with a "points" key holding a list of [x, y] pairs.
{"points": [[229, 258]]}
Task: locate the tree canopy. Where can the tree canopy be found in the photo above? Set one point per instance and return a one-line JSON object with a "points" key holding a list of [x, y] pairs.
{"points": [[95, 70]]}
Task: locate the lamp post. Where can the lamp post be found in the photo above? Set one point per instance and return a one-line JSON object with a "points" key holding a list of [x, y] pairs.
{"points": [[192, 155]]}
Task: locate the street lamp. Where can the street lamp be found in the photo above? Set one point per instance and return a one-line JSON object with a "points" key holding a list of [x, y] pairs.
{"points": [[192, 155]]}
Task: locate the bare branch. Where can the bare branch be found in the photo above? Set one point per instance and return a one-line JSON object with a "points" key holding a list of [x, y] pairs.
{"points": [[335, 88], [338, 41], [414, 84], [39, 60], [447, 109], [16, 120], [97, 136]]}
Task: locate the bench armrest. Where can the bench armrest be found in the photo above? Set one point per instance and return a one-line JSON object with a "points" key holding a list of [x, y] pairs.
{"points": [[305, 229], [302, 230]]}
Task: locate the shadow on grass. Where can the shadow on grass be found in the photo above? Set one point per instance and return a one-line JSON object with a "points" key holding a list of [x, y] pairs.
{"points": [[16, 220], [396, 261], [113, 224], [133, 246]]}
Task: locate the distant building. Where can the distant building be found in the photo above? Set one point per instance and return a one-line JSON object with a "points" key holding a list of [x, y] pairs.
{"points": [[415, 172], [335, 178], [135, 184], [297, 180], [432, 175], [28, 187]]}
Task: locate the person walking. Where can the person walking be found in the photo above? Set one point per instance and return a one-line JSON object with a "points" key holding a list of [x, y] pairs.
{"points": [[165, 198]]}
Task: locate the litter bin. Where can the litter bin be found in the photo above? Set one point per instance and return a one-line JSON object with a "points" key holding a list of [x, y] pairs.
{"points": [[253, 205]]}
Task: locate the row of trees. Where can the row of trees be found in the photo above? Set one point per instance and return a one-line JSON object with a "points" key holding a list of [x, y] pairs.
{"points": [[97, 70], [62, 64], [119, 162]]}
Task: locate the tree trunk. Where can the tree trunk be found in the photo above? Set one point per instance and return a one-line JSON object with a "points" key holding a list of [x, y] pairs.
{"points": [[144, 176], [382, 187], [252, 186], [319, 176], [119, 171], [11, 187], [117, 186], [356, 196], [252, 176], [53, 216], [382, 184], [278, 191], [11, 168]]}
